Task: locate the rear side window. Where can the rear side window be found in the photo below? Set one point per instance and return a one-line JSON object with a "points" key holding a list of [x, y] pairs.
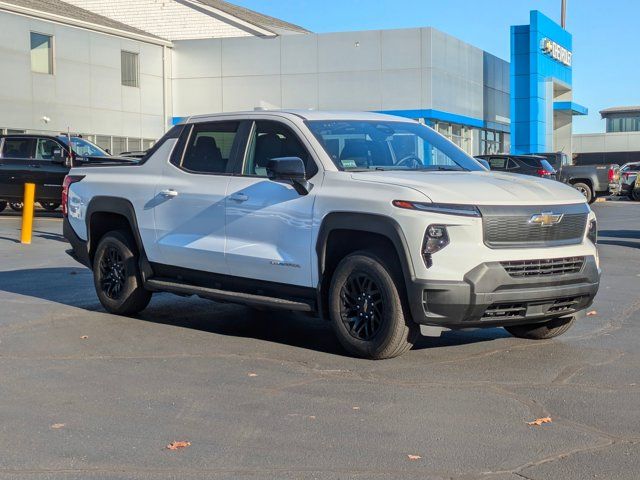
{"points": [[531, 162], [17, 148], [209, 147], [498, 163]]}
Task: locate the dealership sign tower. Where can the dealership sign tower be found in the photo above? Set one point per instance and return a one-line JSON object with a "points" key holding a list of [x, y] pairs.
{"points": [[542, 106]]}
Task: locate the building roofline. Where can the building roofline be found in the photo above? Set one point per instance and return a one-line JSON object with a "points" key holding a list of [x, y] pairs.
{"points": [[623, 109], [125, 32]]}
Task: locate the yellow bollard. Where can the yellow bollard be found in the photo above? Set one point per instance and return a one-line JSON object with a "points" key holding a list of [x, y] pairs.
{"points": [[27, 213]]}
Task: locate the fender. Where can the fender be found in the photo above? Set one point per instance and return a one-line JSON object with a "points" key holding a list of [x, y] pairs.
{"points": [[364, 222], [123, 207]]}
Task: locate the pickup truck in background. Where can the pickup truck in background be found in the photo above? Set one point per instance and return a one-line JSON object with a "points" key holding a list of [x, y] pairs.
{"points": [[376, 223], [592, 181], [44, 160]]}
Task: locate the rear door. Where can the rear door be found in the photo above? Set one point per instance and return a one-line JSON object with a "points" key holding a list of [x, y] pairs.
{"points": [[189, 205], [51, 173], [16, 166]]}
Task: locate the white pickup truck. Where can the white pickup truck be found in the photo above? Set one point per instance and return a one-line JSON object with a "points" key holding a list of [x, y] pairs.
{"points": [[376, 223]]}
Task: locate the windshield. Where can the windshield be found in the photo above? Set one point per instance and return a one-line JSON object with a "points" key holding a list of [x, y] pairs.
{"points": [[356, 145], [84, 148]]}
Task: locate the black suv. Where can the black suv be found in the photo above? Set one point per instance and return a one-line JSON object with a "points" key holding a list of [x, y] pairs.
{"points": [[44, 160], [524, 164]]}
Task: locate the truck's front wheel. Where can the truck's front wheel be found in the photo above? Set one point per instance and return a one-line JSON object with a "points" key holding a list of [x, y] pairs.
{"points": [[542, 331], [116, 275], [366, 308]]}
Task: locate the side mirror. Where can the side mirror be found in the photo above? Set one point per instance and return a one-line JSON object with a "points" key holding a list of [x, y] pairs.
{"points": [[289, 170], [484, 163]]}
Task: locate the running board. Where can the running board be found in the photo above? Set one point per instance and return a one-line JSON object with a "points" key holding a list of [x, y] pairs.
{"points": [[166, 285]]}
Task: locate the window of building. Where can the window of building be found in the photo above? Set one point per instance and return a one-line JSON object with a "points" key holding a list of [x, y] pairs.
{"points": [[209, 148], [119, 145], [458, 134], [41, 53], [274, 140], [129, 69], [491, 142]]}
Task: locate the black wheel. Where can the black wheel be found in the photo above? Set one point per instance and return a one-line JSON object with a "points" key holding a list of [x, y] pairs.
{"points": [[50, 206], [585, 189], [542, 331], [16, 206], [3, 205], [366, 308], [635, 194], [116, 275]]}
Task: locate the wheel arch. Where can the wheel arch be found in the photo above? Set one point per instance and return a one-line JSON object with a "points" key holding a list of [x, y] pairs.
{"points": [[105, 214], [369, 230]]}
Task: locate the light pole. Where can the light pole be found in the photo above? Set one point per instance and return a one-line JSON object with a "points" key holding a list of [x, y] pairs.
{"points": [[563, 15]]}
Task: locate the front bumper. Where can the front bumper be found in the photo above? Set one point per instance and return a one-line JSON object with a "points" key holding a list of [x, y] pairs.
{"points": [[489, 297]]}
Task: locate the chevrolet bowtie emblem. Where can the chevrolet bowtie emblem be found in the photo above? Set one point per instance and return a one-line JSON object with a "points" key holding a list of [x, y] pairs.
{"points": [[546, 219]]}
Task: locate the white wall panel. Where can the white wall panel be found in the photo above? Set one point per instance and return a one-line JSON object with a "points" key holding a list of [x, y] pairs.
{"points": [[193, 96], [300, 91], [350, 91], [401, 89], [246, 93], [350, 51], [299, 54], [250, 56], [197, 58]]}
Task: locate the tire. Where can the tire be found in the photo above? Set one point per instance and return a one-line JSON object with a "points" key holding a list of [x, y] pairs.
{"points": [[635, 195], [363, 284], [16, 206], [3, 205], [585, 190], [50, 206], [116, 275], [542, 331]]}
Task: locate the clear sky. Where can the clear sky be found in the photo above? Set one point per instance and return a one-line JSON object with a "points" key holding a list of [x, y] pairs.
{"points": [[606, 62]]}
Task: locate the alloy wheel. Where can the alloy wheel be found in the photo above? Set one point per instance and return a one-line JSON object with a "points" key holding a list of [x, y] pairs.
{"points": [[361, 306], [112, 273]]}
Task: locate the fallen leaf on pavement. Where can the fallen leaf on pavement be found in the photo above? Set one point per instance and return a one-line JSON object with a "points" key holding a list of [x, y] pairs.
{"points": [[592, 313], [539, 421], [178, 445], [253, 374], [84, 337], [356, 408], [56, 426], [413, 458]]}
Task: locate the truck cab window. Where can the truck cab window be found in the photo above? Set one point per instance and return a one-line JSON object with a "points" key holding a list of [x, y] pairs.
{"points": [[209, 147], [17, 148]]}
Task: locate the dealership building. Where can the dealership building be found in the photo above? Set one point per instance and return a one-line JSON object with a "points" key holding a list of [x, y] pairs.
{"points": [[121, 72]]}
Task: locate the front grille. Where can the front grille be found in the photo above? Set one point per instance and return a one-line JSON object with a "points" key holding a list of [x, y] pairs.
{"points": [[510, 227], [518, 310], [544, 267], [499, 311]]}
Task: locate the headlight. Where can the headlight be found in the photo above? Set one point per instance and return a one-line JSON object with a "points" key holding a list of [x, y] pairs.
{"points": [[435, 239], [444, 208], [592, 231]]}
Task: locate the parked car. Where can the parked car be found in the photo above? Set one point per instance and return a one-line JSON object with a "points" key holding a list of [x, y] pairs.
{"points": [[377, 223], [628, 174], [44, 160], [522, 164], [635, 191], [592, 181]]}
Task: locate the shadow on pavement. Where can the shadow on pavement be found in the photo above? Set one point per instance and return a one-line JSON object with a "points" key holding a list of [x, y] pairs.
{"points": [[620, 238], [74, 287]]}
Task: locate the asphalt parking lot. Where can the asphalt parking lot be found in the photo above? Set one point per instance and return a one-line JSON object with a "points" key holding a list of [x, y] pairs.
{"points": [[87, 395]]}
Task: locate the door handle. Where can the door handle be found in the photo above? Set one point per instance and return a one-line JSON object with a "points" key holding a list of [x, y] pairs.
{"points": [[239, 197], [169, 193]]}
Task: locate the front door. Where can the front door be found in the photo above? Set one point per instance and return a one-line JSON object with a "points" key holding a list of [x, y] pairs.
{"points": [[51, 173], [189, 201], [268, 224]]}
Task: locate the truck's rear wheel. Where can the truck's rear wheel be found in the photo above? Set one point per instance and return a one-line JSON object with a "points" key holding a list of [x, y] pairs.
{"points": [[542, 331], [366, 308], [585, 189], [16, 206], [3, 205], [50, 206], [116, 275], [635, 194]]}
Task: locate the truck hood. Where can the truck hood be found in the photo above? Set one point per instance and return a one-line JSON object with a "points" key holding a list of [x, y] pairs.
{"points": [[477, 188]]}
